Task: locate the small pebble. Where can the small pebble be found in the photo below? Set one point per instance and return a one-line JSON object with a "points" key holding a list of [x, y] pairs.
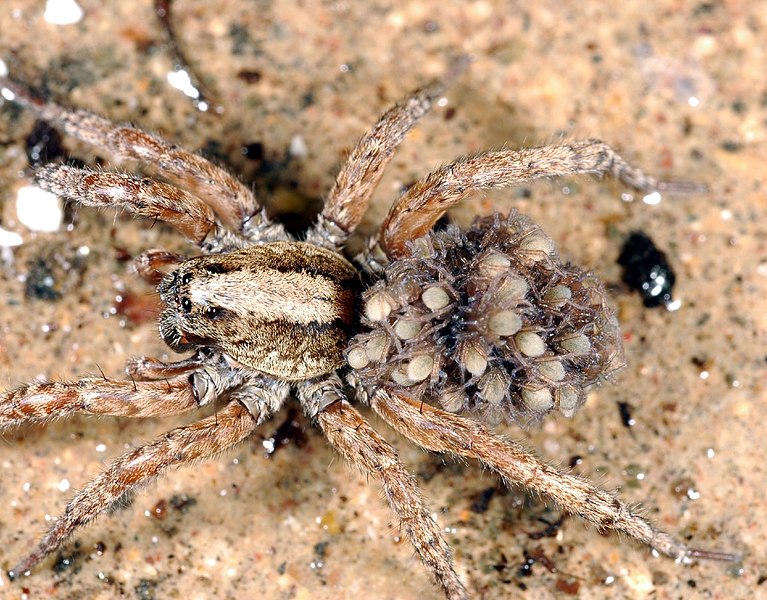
{"points": [[8, 239], [62, 12], [39, 210], [647, 270], [298, 147]]}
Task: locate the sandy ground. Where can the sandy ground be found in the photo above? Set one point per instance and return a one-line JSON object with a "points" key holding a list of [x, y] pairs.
{"points": [[678, 87]]}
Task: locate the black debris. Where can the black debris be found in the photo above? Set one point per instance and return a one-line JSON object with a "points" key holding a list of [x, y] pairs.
{"points": [[647, 270]]}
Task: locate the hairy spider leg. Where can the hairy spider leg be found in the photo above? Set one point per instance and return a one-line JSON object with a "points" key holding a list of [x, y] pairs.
{"points": [[96, 396], [419, 208], [358, 178], [351, 436], [181, 446], [439, 431], [141, 196], [148, 264], [232, 200]]}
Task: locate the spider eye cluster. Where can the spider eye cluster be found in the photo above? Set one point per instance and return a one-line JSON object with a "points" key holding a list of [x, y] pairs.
{"points": [[488, 321], [212, 312]]}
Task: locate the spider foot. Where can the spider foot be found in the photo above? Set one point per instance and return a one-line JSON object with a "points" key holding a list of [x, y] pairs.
{"points": [[24, 568], [694, 554], [682, 187]]}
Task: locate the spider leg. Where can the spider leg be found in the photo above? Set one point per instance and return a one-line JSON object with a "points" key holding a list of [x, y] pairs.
{"points": [[425, 202], [148, 264], [440, 431], [181, 446], [96, 396], [149, 368], [355, 183], [350, 435], [141, 196], [187, 385], [229, 198]]}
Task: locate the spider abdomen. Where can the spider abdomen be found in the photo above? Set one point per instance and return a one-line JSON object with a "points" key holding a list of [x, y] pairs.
{"points": [[284, 308], [488, 321]]}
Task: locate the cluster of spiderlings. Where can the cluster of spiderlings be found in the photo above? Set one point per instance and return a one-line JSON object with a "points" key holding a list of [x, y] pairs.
{"points": [[489, 322]]}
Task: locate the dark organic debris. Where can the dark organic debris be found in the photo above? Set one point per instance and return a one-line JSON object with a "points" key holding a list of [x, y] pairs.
{"points": [[625, 409], [550, 530], [481, 501], [41, 283], [291, 430], [182, 502], [55, 271], [647, 270], [146, 589], [65, 561], [43, 144]]}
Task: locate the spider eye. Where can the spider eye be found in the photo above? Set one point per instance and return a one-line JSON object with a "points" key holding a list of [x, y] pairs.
{"points": [[215, 268], [186, 278], [186, 304], [212, 312]]}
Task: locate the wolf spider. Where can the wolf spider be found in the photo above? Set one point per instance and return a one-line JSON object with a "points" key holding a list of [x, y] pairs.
{"points": [[486, 322]]}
